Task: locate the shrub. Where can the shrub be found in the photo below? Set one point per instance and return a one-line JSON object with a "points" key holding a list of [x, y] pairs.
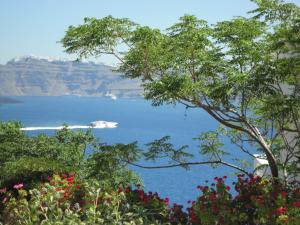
{"points": [[66, 200], [258, 201]]}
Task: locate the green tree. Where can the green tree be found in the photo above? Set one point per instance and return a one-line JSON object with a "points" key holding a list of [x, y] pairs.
{"points": [[243, 72], [31, 159]]}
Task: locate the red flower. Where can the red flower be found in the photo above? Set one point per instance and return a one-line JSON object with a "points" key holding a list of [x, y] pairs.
{"points": [[66, 195], [227, 188], [282, 210], [70, 179], [212, 197], [296, 204], [68, 188], [193, 217], [283, 194], [77, 186], [167, 201]]}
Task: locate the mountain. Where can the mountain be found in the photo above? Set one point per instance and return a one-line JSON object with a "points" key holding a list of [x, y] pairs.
{"points": [[37, 76]]}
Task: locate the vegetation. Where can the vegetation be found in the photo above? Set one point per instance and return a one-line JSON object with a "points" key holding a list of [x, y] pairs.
{"points": [[243, 72]]}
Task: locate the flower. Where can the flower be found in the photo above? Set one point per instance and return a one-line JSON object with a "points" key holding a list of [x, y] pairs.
{"points": [[70, 179], [4, 200], [283, 194], [296, 204], [3, 190], [167, 201], [18, 186], [66, 195], [282, 210], [77, 186]]}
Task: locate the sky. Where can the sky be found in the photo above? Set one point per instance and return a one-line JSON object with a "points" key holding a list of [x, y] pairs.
{"points": [[34, 27]]}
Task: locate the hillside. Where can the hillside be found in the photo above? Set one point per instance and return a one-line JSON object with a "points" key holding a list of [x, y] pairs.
{"points": [[35, 76]]}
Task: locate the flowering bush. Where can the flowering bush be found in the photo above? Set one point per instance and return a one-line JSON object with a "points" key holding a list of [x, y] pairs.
{"points": [[67, 200], [258, 201]]}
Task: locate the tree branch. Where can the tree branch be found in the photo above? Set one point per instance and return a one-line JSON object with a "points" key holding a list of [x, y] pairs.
{"points": [[189, 164]]}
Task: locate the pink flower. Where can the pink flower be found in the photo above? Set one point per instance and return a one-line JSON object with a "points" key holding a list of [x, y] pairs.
{"points": [[3, 190], [4, 200], [18, 186]]}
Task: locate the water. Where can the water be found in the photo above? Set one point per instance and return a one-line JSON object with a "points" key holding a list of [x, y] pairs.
{"points": [[137, 121]]}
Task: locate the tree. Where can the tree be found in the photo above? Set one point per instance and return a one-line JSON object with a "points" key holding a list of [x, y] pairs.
{"points": [[243, 72], [32, 159]]}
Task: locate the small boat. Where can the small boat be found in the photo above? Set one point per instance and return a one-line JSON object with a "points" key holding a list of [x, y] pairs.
{"points": [[103, 124]]}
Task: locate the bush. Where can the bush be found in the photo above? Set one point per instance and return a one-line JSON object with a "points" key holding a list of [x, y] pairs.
{"points": [[32, 159], [66, 200], [258, 202]]}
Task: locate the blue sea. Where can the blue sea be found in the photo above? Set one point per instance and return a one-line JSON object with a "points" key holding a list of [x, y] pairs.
{"points": [[137, 121]]}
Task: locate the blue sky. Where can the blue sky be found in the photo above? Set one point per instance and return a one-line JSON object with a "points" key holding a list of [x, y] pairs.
{"points": [[35, 26]]}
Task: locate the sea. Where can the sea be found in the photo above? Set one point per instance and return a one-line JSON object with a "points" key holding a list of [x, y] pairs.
{"points": [[138, 121]]}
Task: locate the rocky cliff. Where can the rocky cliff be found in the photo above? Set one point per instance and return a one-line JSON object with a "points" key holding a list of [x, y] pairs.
{"points": [[36, 76]]}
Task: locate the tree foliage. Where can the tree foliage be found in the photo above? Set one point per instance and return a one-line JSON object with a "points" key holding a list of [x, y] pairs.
{"points": [[244, 72], [33, 159]]}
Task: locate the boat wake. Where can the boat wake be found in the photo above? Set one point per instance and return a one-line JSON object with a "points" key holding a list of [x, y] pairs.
{"points": [[95, 124]]}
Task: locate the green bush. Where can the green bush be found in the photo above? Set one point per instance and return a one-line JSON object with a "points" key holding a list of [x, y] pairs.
{"points": [[66, 200]]}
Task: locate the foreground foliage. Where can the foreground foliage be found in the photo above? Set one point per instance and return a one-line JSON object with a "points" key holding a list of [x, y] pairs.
{"points": [[99, 188], [257, 201], [65, 199]]}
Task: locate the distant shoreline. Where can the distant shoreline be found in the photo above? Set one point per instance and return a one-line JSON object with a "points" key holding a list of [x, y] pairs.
{"points": [[8, 100]]}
